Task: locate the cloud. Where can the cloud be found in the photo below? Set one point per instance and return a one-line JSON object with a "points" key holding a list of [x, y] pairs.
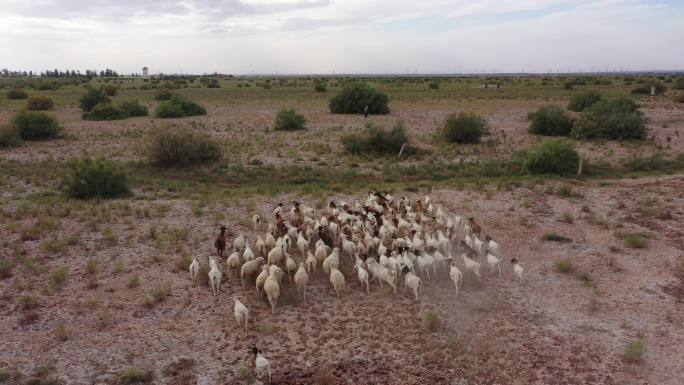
{"points": [[299, 36]]}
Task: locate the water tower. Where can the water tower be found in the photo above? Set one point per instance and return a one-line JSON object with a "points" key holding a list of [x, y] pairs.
{"points": [[146, 72]]}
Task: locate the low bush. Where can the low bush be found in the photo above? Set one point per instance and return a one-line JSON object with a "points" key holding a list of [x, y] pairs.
{"points": [[104, 111], [635, 240], [354, 97], [551, 157], [430, 320], [58, 278], [91, 98], [378, 141], [39, 103], [615, 118], [95, 178], [679, 83], [634, 352], [433, 85], [645, 89], [583, 100], [555, 237], [464, 128], [35, 125], [320, 87], [564, 266], [178, 107], [133, 375], [16, 93], [551, 121], [289, 120], [163, 94], [110, 89], [179, 147], [9, 136], [132, 108]]}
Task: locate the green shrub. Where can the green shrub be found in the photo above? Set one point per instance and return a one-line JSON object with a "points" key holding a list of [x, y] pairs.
{"points": [[464, 128], [179, 147], [555, 237], [552, 157], [132, 108], [679, 83], [581, 101], [104, 111], [58, 278], [433, 85], [36, 125], [6, 267], [133, 375], [634, 352], [163, 94], [9, 136], [16, 93], [320, 87], [430, 320], [378, 141], [615, 118], [655, 162], [95, 178], [289, 120], [635, 240], [110, 89], [564, 266], [550, 121], [646, 88], [354, 97], [39, 103], [178, 107], [91, 98]]}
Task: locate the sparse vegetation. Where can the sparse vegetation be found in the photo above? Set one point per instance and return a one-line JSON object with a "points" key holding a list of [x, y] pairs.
{"points": [[464, 128], [376, 140], [289, 120], [555, 237], [634, 351], [95, 178], [430, 320], [157, 295], [564, 266], [39, 103], [58, 278], [9, 136], [91, 98], [110, 89], [635, 240], [550, 121], [179, 107], [180, 147], [581, 101], [16, 93], [568, 217], [616, 118], [133, 375]]}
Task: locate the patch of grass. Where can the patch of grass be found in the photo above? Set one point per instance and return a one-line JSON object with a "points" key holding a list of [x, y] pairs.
{"points": [[133, 375], [109, 236], [245, 374], [62, 333], [9, 136], [58, 278], [157, 295], [28, 302], [6, 267], [430, 320], [92, 266], [133, 281], [267, 328], [554, 237], [565, 190], [178, 107], [564, 266], [39, 103], [634, 351], [183, 262], [636, 240], [376, 140], [16, 93], [568, 217]]}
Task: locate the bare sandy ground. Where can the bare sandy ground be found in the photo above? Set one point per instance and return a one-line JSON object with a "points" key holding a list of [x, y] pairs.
{"points": [[551, 329]]}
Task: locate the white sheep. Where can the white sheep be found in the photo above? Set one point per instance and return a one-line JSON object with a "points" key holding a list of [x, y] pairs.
{"points": [[471, 265], [493, 263], [277, 253], [382, 274], [336, 278], [348, 246], [311, 262], [321, 252], [241, 312], [362, 274], [261, 365], [517, 269], [261, 279], [272, 288], [194, 269], [214, 276], [492, 246], [256, 221], [302, 244], [248, 255], [301, 278], [233, 264], [455, 275], [239, 243], [261, 246], [291, 267], [333, 257], [270, 241], [249, 268], [412, 281]]}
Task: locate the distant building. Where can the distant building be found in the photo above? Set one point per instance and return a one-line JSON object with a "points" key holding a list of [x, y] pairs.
{"points": [[146, 72]]}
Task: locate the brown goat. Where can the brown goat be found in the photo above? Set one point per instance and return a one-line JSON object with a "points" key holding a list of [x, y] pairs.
{"points": [[220, 242]]}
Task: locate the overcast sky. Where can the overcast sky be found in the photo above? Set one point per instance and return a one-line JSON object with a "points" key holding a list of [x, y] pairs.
{"points": [[345, 36]]}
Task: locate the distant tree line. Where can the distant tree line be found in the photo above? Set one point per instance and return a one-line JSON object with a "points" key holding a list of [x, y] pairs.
{"points": [[56, 73]]}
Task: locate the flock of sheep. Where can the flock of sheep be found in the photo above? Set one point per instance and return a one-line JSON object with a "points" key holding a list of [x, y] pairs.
{"points": [[384, 240]]}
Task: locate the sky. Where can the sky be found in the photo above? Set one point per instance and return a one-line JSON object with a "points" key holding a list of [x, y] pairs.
{"points": [[342, 36]]}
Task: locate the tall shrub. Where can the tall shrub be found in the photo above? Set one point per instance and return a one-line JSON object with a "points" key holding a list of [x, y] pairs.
{"points": [[551, 121], [91, 98], [552, 157], [95, 178], [464, 128], [355, 97]]}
